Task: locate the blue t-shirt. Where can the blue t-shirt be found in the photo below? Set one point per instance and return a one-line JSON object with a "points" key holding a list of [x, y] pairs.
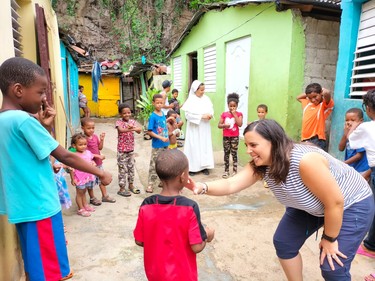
{"points": [[158, 124], [27, 186], [361, 165]]}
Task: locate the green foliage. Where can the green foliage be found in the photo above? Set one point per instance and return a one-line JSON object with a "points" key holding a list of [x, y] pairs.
{"points": [[71, 9], [196, 4], [144, 104]]}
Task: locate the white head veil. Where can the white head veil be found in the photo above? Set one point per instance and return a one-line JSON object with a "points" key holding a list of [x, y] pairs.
{"points": [[194, 87]]}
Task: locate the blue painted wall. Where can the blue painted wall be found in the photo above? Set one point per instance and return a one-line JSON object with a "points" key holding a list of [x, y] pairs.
{"points": [[351, 12], [70, 84]]}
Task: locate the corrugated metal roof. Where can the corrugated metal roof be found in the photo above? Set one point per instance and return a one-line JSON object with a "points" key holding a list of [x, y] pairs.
{"points": [[323, 5]]}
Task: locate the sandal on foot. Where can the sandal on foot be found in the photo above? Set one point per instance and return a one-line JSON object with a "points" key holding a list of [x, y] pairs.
{"points": [[124, 193], [206, 172], [95, 201], [149, 189], [135, 190], [108, 199], [83, 213], [225, 175], [89, 208]]}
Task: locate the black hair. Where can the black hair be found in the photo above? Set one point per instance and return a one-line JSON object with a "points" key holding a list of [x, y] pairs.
{"points": [[122, 106], [18, 70], [262, 105], [170, 112], [80, 87], [368, 99], [313, 88], [357, 111], [86, 120], [174, 91], [170, 164], [76, 137], [157, 96], [233, 97], [281, 146]]}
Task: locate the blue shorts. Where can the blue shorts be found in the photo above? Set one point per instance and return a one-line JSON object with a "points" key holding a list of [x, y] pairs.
{"points": [[97, 180], [296, 226], [88, 185], [43, 248]]}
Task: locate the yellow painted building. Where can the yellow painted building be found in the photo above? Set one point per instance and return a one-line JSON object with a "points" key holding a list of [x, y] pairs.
{"points": [[109, 95]]}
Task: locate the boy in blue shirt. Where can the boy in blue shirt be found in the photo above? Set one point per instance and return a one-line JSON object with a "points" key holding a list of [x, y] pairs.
{"points": [[355, 158], [158, 130], [28, 193]]}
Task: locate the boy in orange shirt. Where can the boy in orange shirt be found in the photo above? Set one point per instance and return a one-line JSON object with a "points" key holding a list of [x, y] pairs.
{"points": [[317, 105]]}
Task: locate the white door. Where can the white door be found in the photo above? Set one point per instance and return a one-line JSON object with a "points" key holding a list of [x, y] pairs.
{"points": [[237, 74]]}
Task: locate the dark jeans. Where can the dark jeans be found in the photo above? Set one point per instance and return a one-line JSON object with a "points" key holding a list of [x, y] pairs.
{"points": [[318, 142], [369, 242]]}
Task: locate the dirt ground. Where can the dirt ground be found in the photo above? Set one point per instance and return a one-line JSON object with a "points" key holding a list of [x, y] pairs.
{"points": [[102, 247]]}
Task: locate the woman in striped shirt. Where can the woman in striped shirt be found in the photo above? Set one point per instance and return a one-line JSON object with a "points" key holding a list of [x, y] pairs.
{"points": [[317, 190]]}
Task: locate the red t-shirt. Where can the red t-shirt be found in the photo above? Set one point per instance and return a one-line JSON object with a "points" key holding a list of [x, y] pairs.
{"points": [[233, 130], [125, 140], [93, 147], [168, 226]]}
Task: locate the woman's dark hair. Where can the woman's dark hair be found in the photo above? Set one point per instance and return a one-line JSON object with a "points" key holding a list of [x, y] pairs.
{"points": [[281, 146], [80, 87], [122, 106], [76, 137], [369, 99], [233, 97]]}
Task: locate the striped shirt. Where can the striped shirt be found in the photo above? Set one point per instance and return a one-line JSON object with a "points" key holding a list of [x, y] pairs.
{"points": [[294, 193]]}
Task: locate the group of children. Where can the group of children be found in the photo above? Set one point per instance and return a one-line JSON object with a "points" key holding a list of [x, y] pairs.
{"points": [[168, 214]]}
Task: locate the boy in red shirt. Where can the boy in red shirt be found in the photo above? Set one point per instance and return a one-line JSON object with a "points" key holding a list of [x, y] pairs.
{"points": [[169, 226], [317, 105]]}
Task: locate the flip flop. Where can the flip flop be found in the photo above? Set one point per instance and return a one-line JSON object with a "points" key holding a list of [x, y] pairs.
{"points": [[149, 189], [370, 277], [363, 252], [124, 193], [135, 190]]}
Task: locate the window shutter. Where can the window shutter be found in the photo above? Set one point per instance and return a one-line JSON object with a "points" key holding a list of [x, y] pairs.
{"points": [[177, 73], [363, 72], [210, 69], [16, 26]]}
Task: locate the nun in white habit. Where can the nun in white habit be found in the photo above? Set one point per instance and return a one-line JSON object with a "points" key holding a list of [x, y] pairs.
{"points": [[198, 144]]}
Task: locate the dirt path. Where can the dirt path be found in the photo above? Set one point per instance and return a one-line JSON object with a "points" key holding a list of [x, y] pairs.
{"points": [[102, 247]]}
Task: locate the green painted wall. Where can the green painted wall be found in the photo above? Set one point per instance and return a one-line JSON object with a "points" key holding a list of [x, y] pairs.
{"points": [[276, 61]]}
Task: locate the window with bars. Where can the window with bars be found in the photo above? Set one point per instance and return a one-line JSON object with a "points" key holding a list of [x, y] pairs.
{"points": [[16, 29], [363, 73], [210, 69]]}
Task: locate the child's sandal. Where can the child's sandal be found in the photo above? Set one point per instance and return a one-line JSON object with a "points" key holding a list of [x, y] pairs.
{"points": [[95, 201], [83, 213]]}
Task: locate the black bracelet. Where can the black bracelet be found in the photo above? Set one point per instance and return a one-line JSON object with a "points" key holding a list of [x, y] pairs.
{"points": [[328, 238]]}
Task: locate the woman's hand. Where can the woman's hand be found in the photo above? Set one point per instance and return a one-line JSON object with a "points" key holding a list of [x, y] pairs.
{"points": [[331, 251]]}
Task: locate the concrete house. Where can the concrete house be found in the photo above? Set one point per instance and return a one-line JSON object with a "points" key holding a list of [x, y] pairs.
{"points": [[356, 63], [266, 51], [29, 29]]}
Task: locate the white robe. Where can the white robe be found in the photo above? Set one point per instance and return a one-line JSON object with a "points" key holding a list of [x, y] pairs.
{"points": [[198, 142]]}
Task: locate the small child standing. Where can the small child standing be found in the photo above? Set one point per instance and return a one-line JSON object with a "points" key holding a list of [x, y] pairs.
{"points": [[175, 102], [169, 227], [355, 158], [230, 121], [262, 111], [82, 180], [157, 129], [82, 101], [125, 150], [94, 145], [173, 130], [317, 105]]}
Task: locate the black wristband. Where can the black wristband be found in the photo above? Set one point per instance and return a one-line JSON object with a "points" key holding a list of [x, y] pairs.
{"points": [[328, 238]]}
